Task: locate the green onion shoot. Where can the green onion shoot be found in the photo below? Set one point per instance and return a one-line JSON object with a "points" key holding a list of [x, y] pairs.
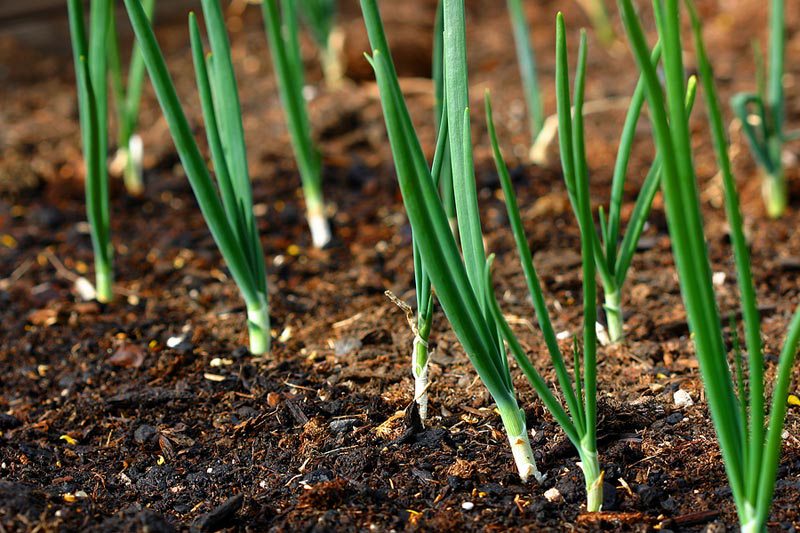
{"points": [[228, 206], [579, 420], [90, 72], [763, 116], [127, 97], [281, 28]]}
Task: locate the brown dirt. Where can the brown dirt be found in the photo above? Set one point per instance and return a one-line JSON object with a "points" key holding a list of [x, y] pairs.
{"points": [[104, 427]]}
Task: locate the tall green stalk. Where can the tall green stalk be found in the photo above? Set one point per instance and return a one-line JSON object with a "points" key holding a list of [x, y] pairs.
{"points": [[280, 22], [446, 181], [750, 453], [228, 206], [126, 102], [90, 72]]}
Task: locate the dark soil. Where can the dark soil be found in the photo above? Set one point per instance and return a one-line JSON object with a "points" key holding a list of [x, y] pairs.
{"points": [[148, 415]]}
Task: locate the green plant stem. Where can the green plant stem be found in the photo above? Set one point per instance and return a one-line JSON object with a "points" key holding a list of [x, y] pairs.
{"points": [[258, 326], [281, 28], [614, 317], [774, 191], [419, 369], [592, 475]]}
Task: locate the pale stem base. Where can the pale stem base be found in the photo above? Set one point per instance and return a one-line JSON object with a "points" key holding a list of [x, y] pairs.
{"points": [[521, 446], [773, 191], [748, 518], [258, 327], [753, 526], [128, 162], [333, 57], [614, 319], [104, 281], [593, 478], [318, 224], [419, 368]]}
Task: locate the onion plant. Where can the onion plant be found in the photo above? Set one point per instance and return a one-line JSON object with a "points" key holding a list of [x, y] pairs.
{"points": [[90, 72], [459, 285], [579, 420], [749, 438], [421, 324], [127, 97], [281, 28], [228, 206], [614, 255], [320, 18], [763, 116], [527, 67]]}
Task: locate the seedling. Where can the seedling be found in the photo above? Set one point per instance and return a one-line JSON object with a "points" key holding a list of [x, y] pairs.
{"points": [[614, 256], [579, 420], [90, 72], [127, 98], [228, 206], [281, 28], [750, 440], [320, 18], [462, 297], [763, 116]]}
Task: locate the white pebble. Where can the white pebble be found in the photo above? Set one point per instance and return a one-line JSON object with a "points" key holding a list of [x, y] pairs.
{"points": [[172, 342], [468, 506], [553, 496], [563, 335], [718, 278], [682, 399]]}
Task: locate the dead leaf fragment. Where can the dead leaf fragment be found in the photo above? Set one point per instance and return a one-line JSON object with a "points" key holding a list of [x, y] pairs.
{"points": [[128, 355]]}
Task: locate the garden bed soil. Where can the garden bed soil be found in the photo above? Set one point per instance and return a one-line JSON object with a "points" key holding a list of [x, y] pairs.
{"points": [[147, 414]]}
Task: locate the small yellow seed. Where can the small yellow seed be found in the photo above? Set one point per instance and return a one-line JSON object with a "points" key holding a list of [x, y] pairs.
{"points": [[293, 250], [8, 241], [794, 400]]}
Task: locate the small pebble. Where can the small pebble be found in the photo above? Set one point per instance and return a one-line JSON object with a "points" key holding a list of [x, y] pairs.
{"points": [[467, 506], [172, 342], [682, 399], [553, 495], [144, 433], [340, 426]]}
